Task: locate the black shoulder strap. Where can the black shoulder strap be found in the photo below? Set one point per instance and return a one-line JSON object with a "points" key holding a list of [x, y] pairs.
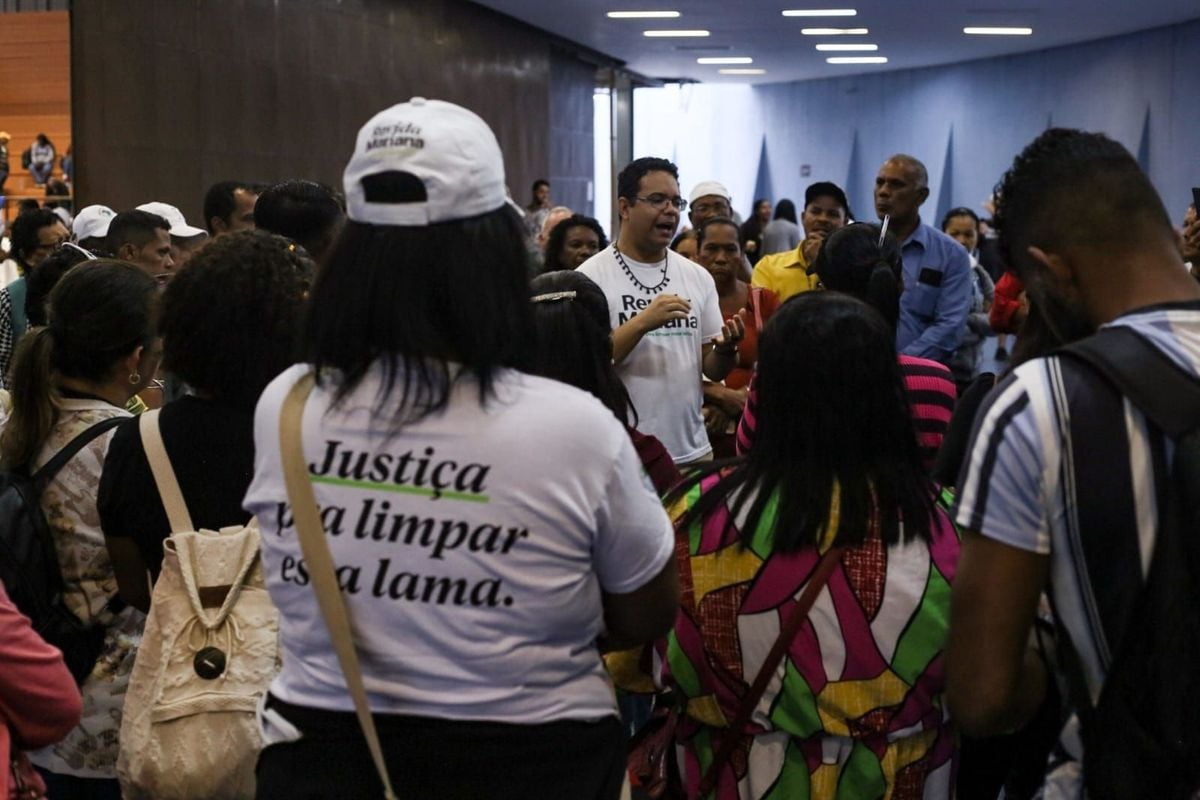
{"points": [[72, 448], [1159, 388]]}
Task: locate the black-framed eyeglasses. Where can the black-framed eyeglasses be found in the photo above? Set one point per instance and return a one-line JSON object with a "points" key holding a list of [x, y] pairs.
{"points": [[661, 201]]}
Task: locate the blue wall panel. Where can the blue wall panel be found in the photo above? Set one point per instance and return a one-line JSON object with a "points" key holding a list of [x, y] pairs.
{"points": [[967, 121]]}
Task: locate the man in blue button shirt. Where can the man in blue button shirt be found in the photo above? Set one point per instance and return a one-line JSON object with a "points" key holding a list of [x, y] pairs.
{"points": [[937, 270]]}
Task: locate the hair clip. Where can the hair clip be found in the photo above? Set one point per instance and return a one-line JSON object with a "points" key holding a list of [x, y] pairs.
{"points": [[87, 253], [552, 296]]}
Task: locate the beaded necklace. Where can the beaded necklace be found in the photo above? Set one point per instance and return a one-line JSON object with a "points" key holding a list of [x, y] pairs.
{"points": [[629, 272]]}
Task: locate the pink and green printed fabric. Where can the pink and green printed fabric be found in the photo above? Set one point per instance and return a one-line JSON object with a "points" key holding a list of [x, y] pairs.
{"points": [[855, 712]]}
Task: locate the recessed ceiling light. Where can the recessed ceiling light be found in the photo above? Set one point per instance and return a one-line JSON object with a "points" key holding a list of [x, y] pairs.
{"points": [[820, 12], [834, 31], [675, 34], [847, 48], [996, 31], [742, 71], [725, 60], [643, 15], [857, 60]]}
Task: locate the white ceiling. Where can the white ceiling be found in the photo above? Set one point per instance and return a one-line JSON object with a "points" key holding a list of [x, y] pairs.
{"points": [[909, 34]]}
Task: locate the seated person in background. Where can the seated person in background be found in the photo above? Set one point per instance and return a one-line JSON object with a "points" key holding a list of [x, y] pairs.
{"points": [[573, 344], [782, 233], [852, 261], [720, 254], [41, 159], [860, 700], [185, 239], [309, 213], [228, 322], [144, 240], [573, 241], [825, 211]]}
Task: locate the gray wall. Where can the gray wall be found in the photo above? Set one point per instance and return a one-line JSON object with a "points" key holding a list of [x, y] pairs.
{"points": [[170, 96]]}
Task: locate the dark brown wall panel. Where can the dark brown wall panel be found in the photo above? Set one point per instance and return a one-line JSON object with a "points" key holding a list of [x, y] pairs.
{"points": [[170, 96]]}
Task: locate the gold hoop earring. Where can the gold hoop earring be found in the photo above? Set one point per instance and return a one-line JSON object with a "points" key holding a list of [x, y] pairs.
{"points": [[134, 379]]}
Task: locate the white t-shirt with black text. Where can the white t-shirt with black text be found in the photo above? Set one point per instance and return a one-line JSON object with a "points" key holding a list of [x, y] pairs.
{"points": [[662, 373], [472, 548]]}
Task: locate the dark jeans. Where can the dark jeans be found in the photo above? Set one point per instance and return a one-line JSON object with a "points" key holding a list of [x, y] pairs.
{"points": [[443, 759], [68, 787]]}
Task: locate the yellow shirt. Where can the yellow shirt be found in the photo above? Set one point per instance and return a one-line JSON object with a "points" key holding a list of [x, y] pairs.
{"points": [[785, 274]]}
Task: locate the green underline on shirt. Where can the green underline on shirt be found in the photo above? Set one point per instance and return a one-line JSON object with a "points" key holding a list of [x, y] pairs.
{"points": [[392, 487]]}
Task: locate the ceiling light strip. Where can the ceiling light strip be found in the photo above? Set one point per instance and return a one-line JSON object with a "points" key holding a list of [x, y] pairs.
{"points": [[834, 31], [847, 48], [820, 12], [997, 31], [643, 15], [681, 34]]}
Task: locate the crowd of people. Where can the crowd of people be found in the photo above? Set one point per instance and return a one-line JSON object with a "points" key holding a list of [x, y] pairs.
{"points": [[444, 496]]}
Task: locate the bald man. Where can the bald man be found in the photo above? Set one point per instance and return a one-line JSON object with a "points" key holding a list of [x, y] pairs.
{"points": [[937, 269]]}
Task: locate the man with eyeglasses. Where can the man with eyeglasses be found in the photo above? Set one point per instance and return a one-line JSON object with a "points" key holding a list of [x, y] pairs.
{"points": [[667, 328], [34, 236]]}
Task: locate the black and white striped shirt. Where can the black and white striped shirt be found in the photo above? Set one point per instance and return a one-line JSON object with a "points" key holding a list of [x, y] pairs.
{"points": [[1059, 455]]}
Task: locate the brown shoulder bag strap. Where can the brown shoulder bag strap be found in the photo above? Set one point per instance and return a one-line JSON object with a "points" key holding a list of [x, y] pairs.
{"points": [[315, 550], [733, 734]]}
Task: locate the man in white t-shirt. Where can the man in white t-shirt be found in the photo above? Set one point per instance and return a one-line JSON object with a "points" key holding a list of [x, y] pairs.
{"points": [[667, 329]]}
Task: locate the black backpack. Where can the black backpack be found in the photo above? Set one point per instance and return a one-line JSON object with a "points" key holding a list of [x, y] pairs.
{"points": [[29, 567], [27, 158], [1142, 737]]}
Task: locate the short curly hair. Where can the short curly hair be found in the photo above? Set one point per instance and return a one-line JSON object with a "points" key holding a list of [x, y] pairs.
{"points": [[558, 237], [1071, 188], [231, 316]]}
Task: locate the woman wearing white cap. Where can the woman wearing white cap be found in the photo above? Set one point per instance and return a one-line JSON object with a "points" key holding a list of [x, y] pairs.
{"points": [[488, 528]]}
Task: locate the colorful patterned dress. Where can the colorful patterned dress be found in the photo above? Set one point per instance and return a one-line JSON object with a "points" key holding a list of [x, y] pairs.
{"points": [[855, 711]]}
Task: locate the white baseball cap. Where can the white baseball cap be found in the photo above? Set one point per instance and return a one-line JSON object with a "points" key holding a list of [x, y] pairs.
{"points": [[174, 218], [422, 162], [706, 188], [92, 222]]}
